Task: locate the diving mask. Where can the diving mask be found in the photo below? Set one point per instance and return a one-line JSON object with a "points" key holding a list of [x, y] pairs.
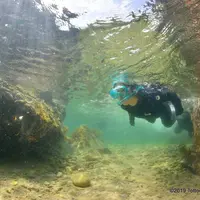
{"points": [[119, 92], [123, 93]]}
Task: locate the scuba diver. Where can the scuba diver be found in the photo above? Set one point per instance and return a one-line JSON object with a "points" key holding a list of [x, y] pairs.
{"points": [[147, 101]]}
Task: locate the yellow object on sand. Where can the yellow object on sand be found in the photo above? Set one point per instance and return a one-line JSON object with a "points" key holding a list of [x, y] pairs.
{"points": [[14, 183], [132, 101], [81, 180]]}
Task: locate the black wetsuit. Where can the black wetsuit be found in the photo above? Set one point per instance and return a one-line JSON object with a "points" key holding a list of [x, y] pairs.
{"points": [[150, 104]]}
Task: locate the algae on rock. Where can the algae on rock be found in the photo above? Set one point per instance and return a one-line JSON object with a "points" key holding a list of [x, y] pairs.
{"points": [[27, 123], [192, 153], [85, 138]]}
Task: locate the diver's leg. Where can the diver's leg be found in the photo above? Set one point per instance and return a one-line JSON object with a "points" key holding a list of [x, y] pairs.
{"points": [[151, 119], [166, 121], [185, 122]]}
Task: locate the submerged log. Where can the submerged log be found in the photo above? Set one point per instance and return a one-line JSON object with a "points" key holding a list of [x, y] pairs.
{"points": [[27, 123]]}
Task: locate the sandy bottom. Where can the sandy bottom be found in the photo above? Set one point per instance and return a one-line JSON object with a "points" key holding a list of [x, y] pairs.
{"points": [[128, 173]]}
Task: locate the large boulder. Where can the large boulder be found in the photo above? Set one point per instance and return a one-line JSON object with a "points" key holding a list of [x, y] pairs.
{"points": [[28, 124], [192, 153]]}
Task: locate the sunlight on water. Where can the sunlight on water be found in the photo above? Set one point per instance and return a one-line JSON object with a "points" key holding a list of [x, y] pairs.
{"points": [[90, 11]]}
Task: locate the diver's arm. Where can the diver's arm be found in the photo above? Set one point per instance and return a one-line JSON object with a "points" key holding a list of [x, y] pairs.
{"points": [[131, 119], [131, 115]]}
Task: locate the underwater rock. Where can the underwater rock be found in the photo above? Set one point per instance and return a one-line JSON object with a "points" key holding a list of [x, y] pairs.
{"points": [[27, 123], [188, 103], [59, 174], [81, 180], [104, 151], [187, 166], [47, 96], [84, 138], [46, 183], [192, 154], [91, 158]]}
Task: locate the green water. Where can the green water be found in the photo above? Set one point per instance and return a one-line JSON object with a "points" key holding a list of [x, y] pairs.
{"points": [[68, 51], [137, 49], [76, 64], [114, 124]]}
